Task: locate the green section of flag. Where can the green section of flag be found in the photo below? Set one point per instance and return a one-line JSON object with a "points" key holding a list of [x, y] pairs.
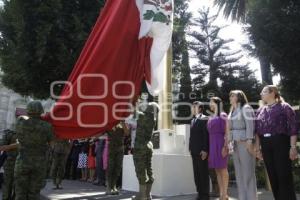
{"points": [[156, 17]]}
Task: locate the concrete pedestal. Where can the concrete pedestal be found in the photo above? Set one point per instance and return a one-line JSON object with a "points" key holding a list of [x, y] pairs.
{"points": [[173, 175], [171, 163]]}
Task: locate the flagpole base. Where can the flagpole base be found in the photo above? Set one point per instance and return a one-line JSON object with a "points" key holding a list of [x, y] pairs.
{"points": [[171, 164]]}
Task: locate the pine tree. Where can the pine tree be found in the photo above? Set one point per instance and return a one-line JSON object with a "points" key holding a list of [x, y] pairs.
{"points": [[181, 65], [212, 51]]}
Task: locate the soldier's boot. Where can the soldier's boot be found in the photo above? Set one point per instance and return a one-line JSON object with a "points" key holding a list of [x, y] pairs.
{"points": [[142, 193], [58, 183], [55, 185], [136, 197], [115, 190], [108, 189], [148, 191]]}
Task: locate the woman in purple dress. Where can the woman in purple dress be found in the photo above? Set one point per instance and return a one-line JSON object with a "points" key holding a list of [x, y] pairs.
{"points": [[218, 145], [277, 130]]}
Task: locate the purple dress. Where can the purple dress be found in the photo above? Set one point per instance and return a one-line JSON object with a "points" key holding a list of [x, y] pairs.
{"points": [[216, 128]]}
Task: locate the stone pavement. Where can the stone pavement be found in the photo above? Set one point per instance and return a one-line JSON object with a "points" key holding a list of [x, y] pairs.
{"points": [[77, 190]]}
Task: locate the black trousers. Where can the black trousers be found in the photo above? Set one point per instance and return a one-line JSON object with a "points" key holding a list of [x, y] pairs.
{"points": [[100, 173], [275, 152], [201, 176], [74, 170]]}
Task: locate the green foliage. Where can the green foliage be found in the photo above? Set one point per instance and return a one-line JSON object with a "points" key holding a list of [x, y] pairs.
{"points": [[296, 176], [41, 40], [236, 9], [239, 78], [216, 59], [274, 30], [261, 175], [181, 65], [210, 49]]}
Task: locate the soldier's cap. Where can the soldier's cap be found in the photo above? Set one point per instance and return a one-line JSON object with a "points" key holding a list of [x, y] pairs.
{"points": [[35, 107]]}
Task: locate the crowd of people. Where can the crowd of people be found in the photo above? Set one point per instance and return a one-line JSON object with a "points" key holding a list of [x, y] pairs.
{"points": [[86, 159], [269, 134]]}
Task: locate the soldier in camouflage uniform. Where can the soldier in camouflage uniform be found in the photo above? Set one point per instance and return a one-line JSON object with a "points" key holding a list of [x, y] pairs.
{"points": [[49, 158], [115, 156], [33, 136], [9, 137], [61, 150], [143, 148]]}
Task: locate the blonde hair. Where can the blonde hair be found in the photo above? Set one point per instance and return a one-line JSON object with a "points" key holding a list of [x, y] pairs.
{"points": [[275, 90]]}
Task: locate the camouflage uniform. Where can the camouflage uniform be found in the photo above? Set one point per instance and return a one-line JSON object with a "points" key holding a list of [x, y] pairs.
{"points": [[143, 150], [115, 155], [61, 150], [9, 137], [33, 136], [49, 158]]}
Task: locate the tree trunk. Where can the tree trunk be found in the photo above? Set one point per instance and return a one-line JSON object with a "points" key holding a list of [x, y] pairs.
{"points": [[266, 73], [213, 76]]}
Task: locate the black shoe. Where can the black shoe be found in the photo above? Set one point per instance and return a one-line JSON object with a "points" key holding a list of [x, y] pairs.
{"points": [[97, 183], [59, 187], [202, 198], [56, 187], [214, 194]]}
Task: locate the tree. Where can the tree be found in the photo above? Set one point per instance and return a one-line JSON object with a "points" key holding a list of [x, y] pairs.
{"points": [[240, 78], [212, 51], [274, 27], [41, 40], [276, 36], [181, 65], [236, 9], [223, 65], [265, 63]]}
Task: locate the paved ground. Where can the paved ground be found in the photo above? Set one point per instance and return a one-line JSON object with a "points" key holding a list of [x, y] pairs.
{"points": [[77, 190]]}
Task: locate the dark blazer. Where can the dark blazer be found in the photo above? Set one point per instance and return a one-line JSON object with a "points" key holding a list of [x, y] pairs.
{"points": [[199, 136]]}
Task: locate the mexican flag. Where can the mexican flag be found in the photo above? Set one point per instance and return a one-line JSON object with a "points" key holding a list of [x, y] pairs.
{"points": [[127, 45]]}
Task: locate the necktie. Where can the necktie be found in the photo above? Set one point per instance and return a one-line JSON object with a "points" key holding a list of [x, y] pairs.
{"points": [[193, 121]]}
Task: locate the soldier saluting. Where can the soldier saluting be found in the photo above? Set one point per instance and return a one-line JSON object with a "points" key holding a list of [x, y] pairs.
{"points": [[143, 147]]}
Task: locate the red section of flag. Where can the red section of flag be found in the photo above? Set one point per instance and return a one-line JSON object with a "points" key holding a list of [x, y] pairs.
{"points": [[92, 100]]}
